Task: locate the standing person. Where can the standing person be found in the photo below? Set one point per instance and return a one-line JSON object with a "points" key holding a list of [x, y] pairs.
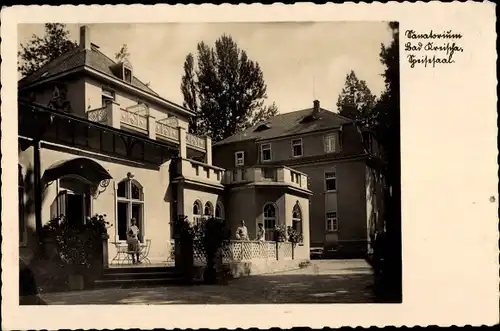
{"points": [[133, 241], [242, 231], [261, 233]]}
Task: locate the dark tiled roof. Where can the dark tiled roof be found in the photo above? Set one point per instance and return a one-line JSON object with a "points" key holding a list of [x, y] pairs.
{"points": [[287, 124], [77, 58]]}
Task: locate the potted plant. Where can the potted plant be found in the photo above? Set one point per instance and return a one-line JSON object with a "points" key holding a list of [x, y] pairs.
{"points": [[214, 236], [185, 233], [294, 237], [80, 247]]}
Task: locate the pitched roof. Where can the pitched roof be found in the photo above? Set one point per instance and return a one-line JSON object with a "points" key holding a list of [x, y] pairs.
{"points": [[79, 57], [292, 123]]}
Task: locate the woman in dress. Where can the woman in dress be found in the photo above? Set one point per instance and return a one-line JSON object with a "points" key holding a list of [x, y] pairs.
{"points": [[133, 241]]}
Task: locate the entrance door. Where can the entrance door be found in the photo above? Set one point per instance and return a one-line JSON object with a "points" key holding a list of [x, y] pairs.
{"points": [[75, 211]]}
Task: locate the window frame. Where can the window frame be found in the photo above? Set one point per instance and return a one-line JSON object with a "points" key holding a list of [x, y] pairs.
{"points": [[130, 204], [107, 98], [262, 149], [334, 219], [326, 138], [333, 178], [264, 218], [242, 153], [299, 219], [294, 144], [220, 206]]}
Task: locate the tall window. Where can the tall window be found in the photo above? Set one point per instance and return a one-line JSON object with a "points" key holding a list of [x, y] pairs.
{"points": [[22, 224], [209, 210], [219, 210], [197, 209], [297, 218], [330, 143], [107, 96], [239, 159], [331, 222], [265, 150], [297, 147], [130, 204], [330, 181], [269, 220]]}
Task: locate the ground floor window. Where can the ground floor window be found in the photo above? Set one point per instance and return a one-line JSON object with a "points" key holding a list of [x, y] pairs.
{"points": [[130, 204], [297, 218], [219, 210], [197, 206], [270, 220], [331, 222]]}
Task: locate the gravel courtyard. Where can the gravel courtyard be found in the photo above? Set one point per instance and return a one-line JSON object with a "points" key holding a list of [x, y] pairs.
{"points": [[324, 281]]}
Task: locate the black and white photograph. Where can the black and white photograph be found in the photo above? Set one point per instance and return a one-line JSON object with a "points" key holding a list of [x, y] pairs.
{"points": [[146, 167], [251, 163]]}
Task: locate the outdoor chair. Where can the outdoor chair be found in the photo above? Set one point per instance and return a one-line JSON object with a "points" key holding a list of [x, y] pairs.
{"points": [[122, 254], [143, 257]]}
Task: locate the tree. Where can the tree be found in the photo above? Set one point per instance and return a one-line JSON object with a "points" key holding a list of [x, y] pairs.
{"points": [[122, 54], [356, 100], [384, 123], [225, 89], [41, 50]]}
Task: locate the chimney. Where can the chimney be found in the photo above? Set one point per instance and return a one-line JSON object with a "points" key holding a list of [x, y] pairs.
{"points": [[316, 107], [85, 37]]}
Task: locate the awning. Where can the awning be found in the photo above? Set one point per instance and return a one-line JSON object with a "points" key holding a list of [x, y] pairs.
{"points": [[80, 167]]}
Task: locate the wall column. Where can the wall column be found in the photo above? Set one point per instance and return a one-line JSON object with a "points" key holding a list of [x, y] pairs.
{"points": [[182, 143], [114, 115], [152, 127], [208, 152]]}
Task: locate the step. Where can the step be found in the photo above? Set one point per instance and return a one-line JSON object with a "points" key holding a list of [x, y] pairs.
{"points": [[139, 275], [136, 283], [145, 269]]}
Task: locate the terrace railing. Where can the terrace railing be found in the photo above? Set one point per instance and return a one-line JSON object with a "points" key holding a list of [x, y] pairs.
{"points": [[247, 251]]}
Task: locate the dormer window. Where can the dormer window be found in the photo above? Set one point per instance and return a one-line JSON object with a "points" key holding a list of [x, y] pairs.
{"points": [[127, 75], [262, 127]]}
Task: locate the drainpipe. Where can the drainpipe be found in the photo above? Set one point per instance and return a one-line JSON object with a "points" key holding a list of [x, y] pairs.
{"points": [[37, 187]]}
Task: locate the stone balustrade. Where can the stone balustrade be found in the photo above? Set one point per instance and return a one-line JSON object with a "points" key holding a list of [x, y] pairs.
{"points": [[267, 174]]}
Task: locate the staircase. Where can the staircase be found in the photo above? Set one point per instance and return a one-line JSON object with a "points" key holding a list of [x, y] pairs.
{"points": [[134, 277]]}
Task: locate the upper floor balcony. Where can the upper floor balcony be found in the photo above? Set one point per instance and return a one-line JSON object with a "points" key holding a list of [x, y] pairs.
{"points": [[137, 118], [267, 175]]}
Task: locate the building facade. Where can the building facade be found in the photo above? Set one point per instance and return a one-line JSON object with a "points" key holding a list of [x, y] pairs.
{"points": [[94, 139], [331, 151]]}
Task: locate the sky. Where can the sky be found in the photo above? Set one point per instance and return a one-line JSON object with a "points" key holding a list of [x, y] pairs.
{"points": [[300, 61]]}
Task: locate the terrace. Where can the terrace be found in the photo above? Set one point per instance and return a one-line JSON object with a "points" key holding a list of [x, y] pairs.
{"points": [[267, 175]]}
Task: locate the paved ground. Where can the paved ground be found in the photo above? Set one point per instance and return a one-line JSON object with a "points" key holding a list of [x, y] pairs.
{"points": [[325, 281]]}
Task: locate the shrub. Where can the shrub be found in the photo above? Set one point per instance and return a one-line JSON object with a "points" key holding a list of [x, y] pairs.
{"points": [[281, 233], [294, 236]]}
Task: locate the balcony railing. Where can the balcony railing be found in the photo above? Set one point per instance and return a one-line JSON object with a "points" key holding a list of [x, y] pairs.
{"points": [[166, 131], [137, 118], [99, 115], [134, 119], [278, 174], [195, 141]]}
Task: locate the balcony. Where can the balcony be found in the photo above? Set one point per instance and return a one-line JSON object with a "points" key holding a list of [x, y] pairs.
{"points": [[200, 172], [266, 176], [137, 119]]}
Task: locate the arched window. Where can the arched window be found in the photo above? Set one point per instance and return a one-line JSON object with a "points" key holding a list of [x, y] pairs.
{"points": [[219, 210], [197, 207], [130, 204], [270, 220], [209, 210], [297, 218], [22, 224]]}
